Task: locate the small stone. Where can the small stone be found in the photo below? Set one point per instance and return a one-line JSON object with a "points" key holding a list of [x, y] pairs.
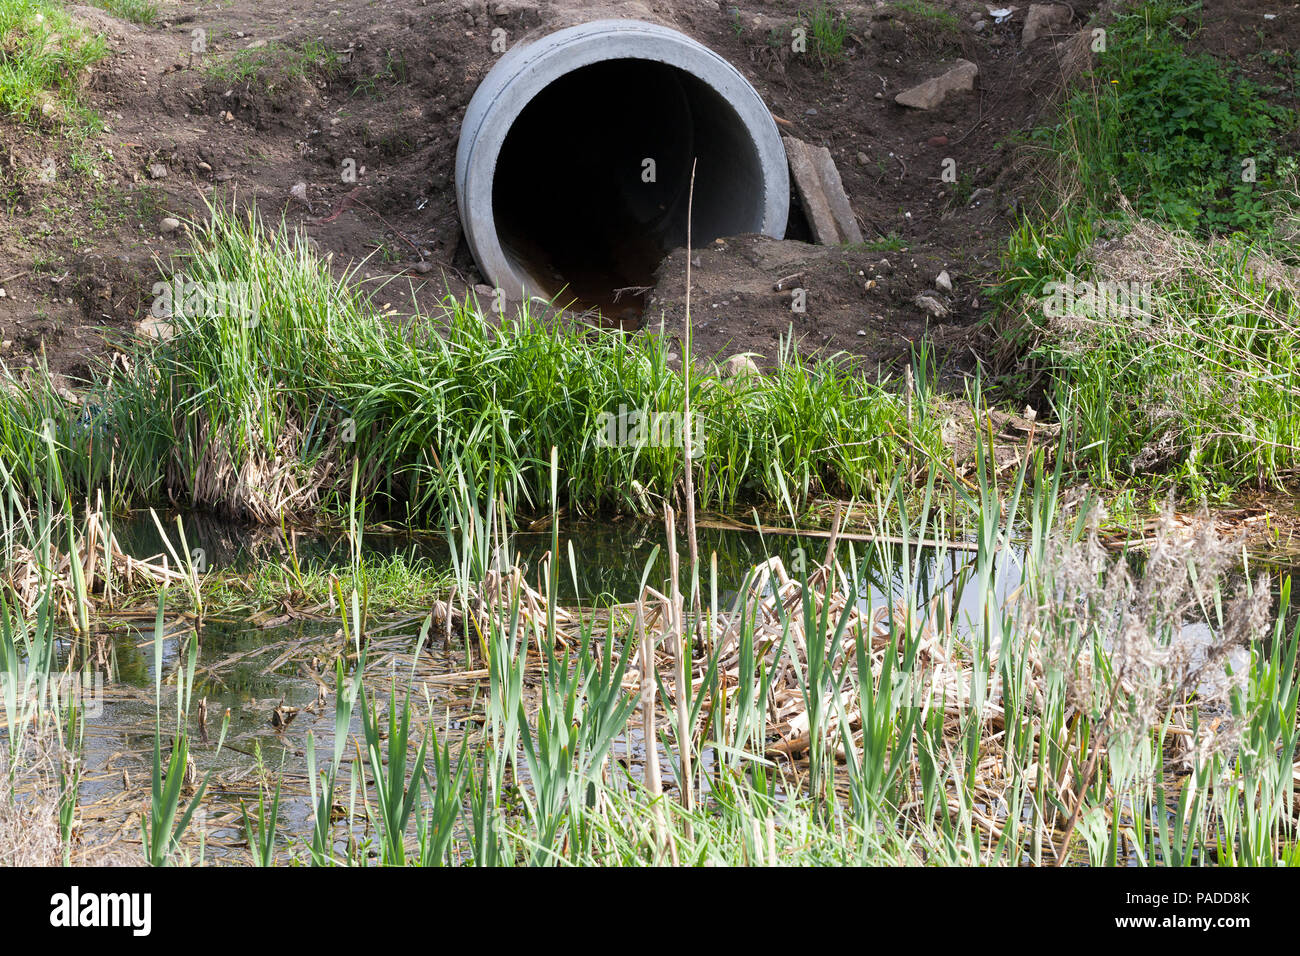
{"points": [[298, 191], [931, 304], [423, 266], [739, 366], [154, 328], [228, 116], [938, 140], [863, 158], [943, 281], [157, 171], [169, 225], [928, 95], [204, 166]]}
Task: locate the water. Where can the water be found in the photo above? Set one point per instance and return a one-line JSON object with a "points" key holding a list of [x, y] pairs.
{"points": [[248, 671]]}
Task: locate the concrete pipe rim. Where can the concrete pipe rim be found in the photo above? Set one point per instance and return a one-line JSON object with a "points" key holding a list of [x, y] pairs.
{"points": [[529, 68]]}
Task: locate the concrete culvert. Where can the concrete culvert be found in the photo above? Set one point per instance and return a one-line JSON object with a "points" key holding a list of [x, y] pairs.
{"points": [[556, 196]]}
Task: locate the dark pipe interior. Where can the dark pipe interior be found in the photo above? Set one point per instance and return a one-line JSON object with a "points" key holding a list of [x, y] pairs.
{"points": [[569, 200]]}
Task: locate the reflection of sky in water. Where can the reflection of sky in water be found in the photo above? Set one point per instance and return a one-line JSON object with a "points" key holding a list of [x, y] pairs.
{"points": [[605, 560]]}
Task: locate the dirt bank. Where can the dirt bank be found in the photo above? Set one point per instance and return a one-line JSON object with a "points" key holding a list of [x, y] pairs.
{"points": [[288, 97]]}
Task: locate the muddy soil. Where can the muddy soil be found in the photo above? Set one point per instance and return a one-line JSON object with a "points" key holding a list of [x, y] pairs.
{"points": [[287, 96]]}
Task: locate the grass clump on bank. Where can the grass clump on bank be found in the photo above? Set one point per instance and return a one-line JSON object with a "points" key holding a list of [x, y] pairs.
{"points": [[44, 56], [277, 62], [1150, 303], [143, 12], [278, 376], [1201, 391], [1178, 135]]}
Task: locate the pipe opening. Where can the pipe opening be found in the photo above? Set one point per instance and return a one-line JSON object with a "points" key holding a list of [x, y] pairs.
{"points": [[575, 206]]}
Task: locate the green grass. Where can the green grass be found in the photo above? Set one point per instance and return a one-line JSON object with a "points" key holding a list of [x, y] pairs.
{"points": [[829, 29], [276, 61], [322, 378], [929, 14], [395, 582], [890, 243], [1173, 132], [1199, 395], [44, 59], [1204, 394], [143, 12]]}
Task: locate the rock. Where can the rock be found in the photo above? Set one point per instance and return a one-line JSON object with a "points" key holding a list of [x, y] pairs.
{"points": [[928, 95], [154, 328], [298, 191], [863, 158], [1044, 19], [2, 292], [930, 303], [49, 106], [980, 195], [979, 26], [739, 366], [157, 171], [824, 201], [422, 266], [169, 225], [943, 281]]}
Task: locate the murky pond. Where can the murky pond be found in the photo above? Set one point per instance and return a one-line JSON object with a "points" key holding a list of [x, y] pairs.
{"points": [[276, 683]]}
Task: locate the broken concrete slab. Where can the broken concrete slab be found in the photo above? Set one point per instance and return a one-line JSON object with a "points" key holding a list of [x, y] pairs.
{"points": [[928, 95], [1045, 19], [822, 192]]}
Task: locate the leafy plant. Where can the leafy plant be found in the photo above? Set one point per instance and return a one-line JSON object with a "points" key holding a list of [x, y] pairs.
{"points": [[829, 30]]}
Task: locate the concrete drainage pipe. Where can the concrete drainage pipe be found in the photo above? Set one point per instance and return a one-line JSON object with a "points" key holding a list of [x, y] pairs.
{"points": [[574, 163]]}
